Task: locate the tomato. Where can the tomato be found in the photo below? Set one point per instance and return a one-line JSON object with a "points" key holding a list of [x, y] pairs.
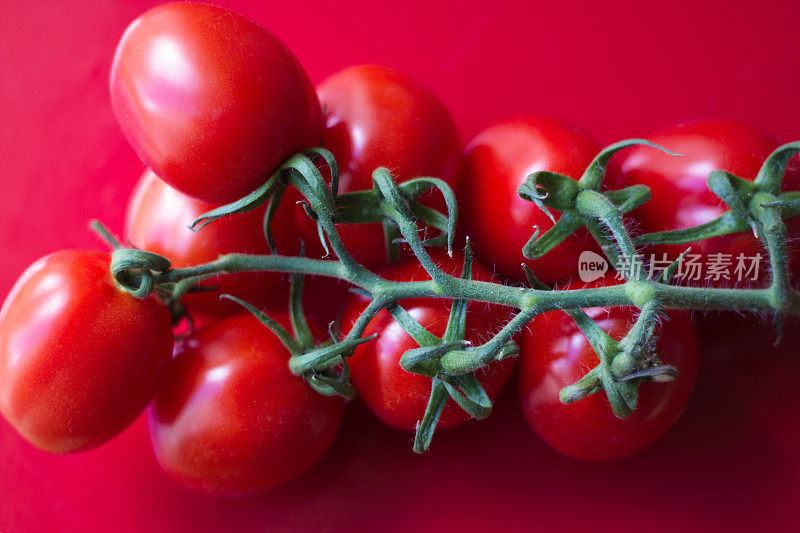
{"points": [[210, 100], [681, 198], [79, 357], [398, 397], [158, 219], [378, 117], [555, 353], [499, 222], [231, 418]]}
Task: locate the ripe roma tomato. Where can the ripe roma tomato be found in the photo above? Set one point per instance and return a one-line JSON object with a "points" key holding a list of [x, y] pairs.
{"points": [[231, 418], [499, 222], [399, 397], [378, 117], [210, 100], [158, 219], [555, 353], [79, 357], [681, 198]]}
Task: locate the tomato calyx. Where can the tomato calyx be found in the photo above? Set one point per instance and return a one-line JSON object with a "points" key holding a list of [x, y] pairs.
{"points": [[430, 360], [624, 365], [381, 204], [323, 365], [549, 190], [451, 362], [739, 194]]}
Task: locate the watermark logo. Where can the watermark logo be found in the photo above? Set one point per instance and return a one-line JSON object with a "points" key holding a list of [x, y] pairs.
{"points": [[591, 266], [715, 267]]}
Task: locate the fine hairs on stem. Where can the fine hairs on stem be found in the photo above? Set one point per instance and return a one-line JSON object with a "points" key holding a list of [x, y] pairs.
{"points": [[760, 206]]}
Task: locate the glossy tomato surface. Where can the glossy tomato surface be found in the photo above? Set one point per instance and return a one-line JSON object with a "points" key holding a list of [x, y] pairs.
{"points": [[730, 464], [79, 357], [158, 219], [210, 100], [396, 396], [376, 117], [555, 353], [231, 418], [498, 221], [680, 195]]}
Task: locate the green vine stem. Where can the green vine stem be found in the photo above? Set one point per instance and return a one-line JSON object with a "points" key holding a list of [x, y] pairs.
{"points": [[759, 206]]}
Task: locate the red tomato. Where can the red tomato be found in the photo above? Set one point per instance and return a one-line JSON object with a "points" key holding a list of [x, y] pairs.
{"points": [[497, 162], [399, 397], [79, 357], [158, 219], [231, 418], [378, 117], [555, 353], [210, 100], [680, 196]]}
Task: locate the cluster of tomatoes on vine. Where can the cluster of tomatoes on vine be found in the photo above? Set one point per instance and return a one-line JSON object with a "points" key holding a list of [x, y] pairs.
{"points": [[213, 103]]}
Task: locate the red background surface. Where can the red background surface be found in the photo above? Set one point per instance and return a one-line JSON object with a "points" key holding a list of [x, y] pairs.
{"points": [[618, 69]]}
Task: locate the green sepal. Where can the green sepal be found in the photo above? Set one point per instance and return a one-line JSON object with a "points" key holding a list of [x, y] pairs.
{"points": [[284, 336], [770, 175], [667, 273], [788, 203], [330, 383], [593, 175], [269, 214], [313, 153], [595, 204], [391, 237], [528, 191], [659, 374], [622, 396], [399, 199], [424, 360], [417, 186], [629, 198], [509, 349], [460, 362], [457, 322], [252, 201], [559, 193], [427, 426], [305, 175], [533, 281], [361, 292], [299, 324], [301, 363], [724, 224], [469, 394], [564, 227], [331, 386], [366, 207], [730, 190], [421, 336]]}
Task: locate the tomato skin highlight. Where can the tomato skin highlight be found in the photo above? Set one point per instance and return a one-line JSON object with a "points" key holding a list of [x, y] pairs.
{"points": [[498, 221], [79, 357], [158, 219], [376, 117], [555, 353], [231, 418], [210, 100], [680, 195], [395, 396]]}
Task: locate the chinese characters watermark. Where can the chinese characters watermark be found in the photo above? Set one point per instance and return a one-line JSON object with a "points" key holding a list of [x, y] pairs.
{"points": [[716, 267]]}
